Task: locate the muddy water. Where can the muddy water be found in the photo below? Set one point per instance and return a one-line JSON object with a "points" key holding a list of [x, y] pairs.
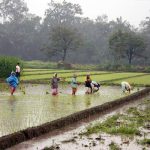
{"points": [[33, 105], [68, 138]]}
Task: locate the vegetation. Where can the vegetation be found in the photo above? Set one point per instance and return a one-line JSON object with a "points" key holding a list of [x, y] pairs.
{"points": [[104, 77], [142, 80], [127, 44], [145, 141], [114, 146], [27, 35], [37, 64], [61, 73], [63, 39], [124, 124], [8, 64]]}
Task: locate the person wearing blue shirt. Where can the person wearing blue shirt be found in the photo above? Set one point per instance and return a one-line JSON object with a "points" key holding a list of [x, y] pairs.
{"points": [[13, 82], [74, 84]]}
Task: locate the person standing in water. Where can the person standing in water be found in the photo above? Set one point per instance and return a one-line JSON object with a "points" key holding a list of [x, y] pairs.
{"points": [[18, 70], [125, 87], [88, 84], [13, 82], [54, 84], [74, 84]]}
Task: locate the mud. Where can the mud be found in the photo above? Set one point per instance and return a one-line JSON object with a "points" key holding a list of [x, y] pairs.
{"points": [[15, 138]]}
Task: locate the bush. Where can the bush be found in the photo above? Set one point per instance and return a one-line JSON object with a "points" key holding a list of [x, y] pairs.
{"points": [[7, 64], [64, 65]]}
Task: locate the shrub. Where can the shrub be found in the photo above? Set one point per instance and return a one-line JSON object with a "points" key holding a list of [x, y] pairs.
{"points": [[64, 65], [7, 64]]}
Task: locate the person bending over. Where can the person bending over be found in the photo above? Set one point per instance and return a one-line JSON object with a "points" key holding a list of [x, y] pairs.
{"points": [[125, 87], [95, 86], [13, 82]]}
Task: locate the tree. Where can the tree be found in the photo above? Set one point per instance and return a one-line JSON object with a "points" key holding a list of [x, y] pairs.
{"points": [[64, 39], [61, 13], [145, 30], [127, 44], [13, 10]]}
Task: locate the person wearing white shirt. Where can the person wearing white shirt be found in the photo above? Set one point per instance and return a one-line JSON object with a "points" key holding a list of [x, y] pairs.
{"points": [[125, 86], [17, 70], [95, 86]]}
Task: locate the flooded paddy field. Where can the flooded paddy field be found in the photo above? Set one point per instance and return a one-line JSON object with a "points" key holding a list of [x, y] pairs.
{"points": [[76, 137], [33, 105]]}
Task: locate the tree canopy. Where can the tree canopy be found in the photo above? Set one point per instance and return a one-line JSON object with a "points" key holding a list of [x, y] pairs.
{"points": [[127, 44], [64, 39], [87, 40]]}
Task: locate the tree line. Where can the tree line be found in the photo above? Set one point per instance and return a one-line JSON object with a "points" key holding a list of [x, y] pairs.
{"points": [[64, 34]]}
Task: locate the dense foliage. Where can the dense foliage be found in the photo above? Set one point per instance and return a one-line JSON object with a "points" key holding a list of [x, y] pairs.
{"points": [[127, 44], [8, 64], [32, 38]]}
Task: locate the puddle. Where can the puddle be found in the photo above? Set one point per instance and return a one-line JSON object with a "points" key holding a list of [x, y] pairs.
{"points": [[33, 105]]}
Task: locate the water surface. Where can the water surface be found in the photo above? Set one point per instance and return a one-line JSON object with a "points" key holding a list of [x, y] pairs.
{"points": [[33, 105]]}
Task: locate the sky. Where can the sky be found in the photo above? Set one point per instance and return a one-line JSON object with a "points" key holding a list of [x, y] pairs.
{"points": [[133, 11]]}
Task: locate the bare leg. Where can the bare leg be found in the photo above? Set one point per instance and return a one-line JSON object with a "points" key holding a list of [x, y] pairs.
{"points": [[12, 90]]}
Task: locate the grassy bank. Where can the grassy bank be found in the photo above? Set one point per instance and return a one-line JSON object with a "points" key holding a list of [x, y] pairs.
{"points": [[127, 123]]}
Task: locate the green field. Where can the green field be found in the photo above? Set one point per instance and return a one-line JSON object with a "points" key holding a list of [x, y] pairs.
{"points": [[28, 75], [99, 76], [143, 80]]}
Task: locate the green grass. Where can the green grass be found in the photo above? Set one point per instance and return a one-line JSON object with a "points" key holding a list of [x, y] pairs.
{"points": [[143, 80], [40, 64], [37, 72], [111, 76], [114, 146], [103, 77], [145, 141], [64, 74], [123, 124]]}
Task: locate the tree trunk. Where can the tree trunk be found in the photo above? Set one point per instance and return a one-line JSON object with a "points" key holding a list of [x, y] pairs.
{"points": [[64, 55], [130, 56]]}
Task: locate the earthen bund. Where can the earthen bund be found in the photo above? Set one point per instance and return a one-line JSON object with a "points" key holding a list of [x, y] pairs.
{"points": [[29, 133]]}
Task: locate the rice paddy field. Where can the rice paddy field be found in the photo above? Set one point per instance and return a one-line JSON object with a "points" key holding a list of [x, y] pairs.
{"points": [[134, 78], [33, 104]]}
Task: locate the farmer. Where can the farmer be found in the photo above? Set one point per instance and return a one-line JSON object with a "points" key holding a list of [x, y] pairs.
{"points": [[54, 84], [125, 86], [74, 84], [18, 70], [13, 82], [95, 86], [88, 84]]}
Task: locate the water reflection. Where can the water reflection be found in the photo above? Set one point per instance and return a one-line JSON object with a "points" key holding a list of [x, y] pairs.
{"points": [[12, 102], [35, 107], [87, 101]]}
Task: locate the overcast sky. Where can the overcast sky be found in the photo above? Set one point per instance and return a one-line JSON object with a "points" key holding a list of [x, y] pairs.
{"points": [[132, 10]]}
